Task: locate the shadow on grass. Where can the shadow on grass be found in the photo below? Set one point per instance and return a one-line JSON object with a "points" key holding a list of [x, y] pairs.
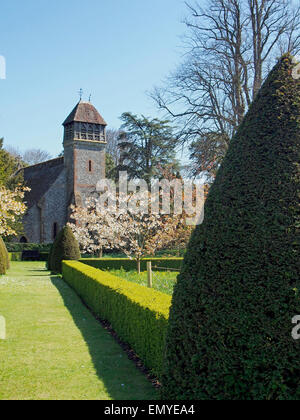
{"points": [[121, 378], [39, 271], [36, 275]]}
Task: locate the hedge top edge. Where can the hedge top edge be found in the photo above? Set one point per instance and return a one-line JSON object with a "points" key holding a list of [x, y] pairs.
{"points": [[128, 259], [138, 294]]}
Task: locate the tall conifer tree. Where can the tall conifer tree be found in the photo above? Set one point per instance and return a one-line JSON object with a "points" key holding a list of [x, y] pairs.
{"points": [[231, 318]]}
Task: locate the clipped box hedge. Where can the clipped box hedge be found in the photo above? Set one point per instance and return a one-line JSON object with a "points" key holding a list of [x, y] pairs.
{"points": [[20, 247], [15, 256], [44, 256], [139, 315], [131, 265]]}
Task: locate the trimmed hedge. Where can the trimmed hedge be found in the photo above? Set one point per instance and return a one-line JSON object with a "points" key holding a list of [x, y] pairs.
{"points": [[131, 265], [138, 315], [229, 333], [65, 247], [7, 263], [3, 258], [20, 247], [49, 259], [15, 256], [44, 256]]}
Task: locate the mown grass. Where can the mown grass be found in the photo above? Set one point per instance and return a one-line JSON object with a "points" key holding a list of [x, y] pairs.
{"points": [[55, 349], [163, 281]]}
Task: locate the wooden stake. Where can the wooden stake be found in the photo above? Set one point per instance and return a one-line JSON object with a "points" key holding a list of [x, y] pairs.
{"points": [[149, 271]]}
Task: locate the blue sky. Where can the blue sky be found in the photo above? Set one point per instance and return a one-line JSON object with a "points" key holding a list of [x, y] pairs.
{"points": [[117, 50]]}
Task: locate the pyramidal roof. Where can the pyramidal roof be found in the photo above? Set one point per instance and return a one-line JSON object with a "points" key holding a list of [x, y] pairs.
{"points": [[85, 112]]}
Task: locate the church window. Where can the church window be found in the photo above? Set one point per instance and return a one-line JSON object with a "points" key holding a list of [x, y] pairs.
{"points": [[23, 240], [90, 166]]}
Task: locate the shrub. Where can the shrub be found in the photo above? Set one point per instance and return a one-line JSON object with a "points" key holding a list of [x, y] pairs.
{"points": [[15, 256], [20, 247], [49, 259], [130, 265], [7, 263], [3, 258], [65, 247], [44, 256], [230, 324], [138, 315]]}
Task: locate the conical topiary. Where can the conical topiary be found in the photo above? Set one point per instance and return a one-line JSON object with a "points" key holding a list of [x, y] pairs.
{"points": [[49, 261], [3, 260], [7, 262], [230, 325], [65, 247]]}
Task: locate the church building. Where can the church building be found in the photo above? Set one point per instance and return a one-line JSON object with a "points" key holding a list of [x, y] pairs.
{"points": [[67, 180]]}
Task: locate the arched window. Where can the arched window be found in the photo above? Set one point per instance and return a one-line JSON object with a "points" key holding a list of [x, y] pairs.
{"points": [[55, 229], [23, 240], [90, 166]]}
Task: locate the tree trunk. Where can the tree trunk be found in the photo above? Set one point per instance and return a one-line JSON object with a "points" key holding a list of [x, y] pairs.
{"points": [[139, 266]]}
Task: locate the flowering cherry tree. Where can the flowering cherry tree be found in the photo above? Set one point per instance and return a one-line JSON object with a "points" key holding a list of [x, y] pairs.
{"points": [[11, 207], [133, 231], [94, 230]]}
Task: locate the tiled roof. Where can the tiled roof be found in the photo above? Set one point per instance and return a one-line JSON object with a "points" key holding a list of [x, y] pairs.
{"points": [[85, 112], [40, 178]]}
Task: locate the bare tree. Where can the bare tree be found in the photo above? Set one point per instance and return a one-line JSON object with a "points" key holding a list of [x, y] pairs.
{"points": [[35, 156], [17, 155], [231, 46], [273, 23], [29, 156], [14, 151], [112, 148]]}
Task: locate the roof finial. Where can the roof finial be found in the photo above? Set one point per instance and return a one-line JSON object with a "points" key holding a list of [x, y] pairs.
{"points": [[90, 97], [80, 94]]}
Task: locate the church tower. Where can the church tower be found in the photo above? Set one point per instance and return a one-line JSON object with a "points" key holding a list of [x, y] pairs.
{"points": [[84, 151]]}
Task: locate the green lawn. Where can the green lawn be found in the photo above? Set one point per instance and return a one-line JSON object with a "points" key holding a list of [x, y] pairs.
{"points": [[54, 348], [162, 280]]}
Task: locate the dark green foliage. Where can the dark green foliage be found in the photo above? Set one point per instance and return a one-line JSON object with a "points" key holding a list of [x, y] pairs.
{"points": [[49, 259], [146, 146], [19, 247], [5, 253], [130, 265], [3, 258], [44, 256], [231, 319], [65, 247], [110, 167], [9, 165], [16, 249]]}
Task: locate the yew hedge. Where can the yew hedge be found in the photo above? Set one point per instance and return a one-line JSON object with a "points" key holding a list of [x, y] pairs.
{"points": [[138, 315]]}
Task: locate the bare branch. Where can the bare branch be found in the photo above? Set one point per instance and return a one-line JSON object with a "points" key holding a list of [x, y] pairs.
{"points": [[231, 45]]}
